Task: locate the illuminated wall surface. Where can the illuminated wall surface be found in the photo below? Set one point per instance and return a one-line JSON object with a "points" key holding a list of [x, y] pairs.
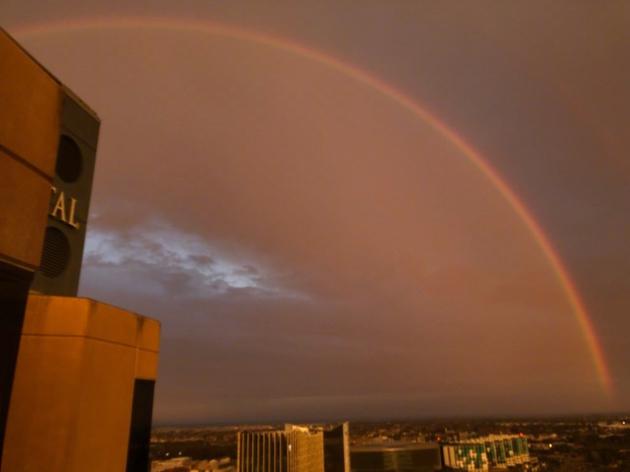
{"points": [[30, 100], [71, 406], [76, 376], [417, 457], [29, 126]]}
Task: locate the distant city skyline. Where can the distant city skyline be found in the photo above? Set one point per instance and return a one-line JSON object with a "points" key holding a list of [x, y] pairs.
{"points": [[579, 443], [285, 187]]}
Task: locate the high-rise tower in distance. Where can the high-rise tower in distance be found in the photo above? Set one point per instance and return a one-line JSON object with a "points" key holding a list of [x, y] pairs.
{"points": [[295, 449], [337, 447]]}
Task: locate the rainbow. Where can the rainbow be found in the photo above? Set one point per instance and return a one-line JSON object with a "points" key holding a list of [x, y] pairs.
{"points": [[207, 27]]}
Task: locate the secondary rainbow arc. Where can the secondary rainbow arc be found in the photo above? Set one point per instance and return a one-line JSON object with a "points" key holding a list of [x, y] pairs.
{"points": [[207, 27]]}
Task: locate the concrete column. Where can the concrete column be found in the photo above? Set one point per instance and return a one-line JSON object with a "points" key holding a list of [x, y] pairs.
{"points": [[72, 408]]}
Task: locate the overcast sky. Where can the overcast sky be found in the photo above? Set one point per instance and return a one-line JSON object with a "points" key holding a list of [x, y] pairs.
{"points": [[313, 249]]}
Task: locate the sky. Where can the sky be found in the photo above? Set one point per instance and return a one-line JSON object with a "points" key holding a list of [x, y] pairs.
{"points": [[317, 200]]}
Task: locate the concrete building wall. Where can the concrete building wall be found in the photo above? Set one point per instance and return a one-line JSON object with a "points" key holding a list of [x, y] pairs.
{"points": [[29, 125], [72, 396], [78, 393], [30, 101]]}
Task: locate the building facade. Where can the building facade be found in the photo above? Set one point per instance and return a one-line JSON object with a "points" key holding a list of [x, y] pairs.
{"points": [[77, 376], [337, 448], [296, 449], [501, 451], [30, 100]]}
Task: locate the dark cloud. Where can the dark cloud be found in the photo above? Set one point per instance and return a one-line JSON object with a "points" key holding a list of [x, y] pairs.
{"points": [[167, 262]]}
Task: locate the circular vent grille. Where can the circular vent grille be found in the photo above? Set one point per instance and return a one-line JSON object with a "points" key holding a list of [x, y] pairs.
{"points": [[69, 159], [56, 253]]}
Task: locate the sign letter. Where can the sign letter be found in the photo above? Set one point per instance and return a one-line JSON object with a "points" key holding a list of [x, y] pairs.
{"points": [[60, 207], [71, 220]]}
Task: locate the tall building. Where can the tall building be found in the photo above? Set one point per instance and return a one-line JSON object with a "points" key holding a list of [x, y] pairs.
{"points": [[296, 449], [501, 451], [76, 375], [396, 457], [29, 127], [337, 448]]}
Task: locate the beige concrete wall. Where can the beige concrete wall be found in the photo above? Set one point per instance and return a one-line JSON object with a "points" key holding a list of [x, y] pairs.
{"points": [[72, 396], [30, 104]]}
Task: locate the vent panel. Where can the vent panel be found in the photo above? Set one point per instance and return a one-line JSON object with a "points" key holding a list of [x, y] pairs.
{"points": [[69, 160], [56, 253]]}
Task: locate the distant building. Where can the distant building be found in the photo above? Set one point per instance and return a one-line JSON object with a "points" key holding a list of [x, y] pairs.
{"points": [[296, 449], [486, 453], [396, 457], [337, 448]]}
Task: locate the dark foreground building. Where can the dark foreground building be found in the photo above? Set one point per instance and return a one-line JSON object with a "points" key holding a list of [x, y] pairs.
{"points": [[396, 457]]}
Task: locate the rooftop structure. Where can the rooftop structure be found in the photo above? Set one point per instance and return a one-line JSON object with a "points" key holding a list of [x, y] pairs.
{"points": [[396, 457]]}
